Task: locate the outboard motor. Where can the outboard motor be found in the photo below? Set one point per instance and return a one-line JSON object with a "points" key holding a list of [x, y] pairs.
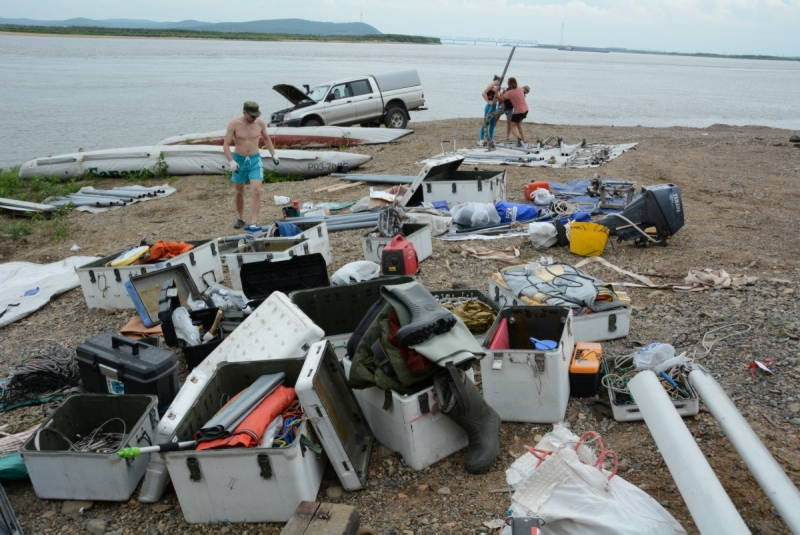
{"points": [[657, 206]]}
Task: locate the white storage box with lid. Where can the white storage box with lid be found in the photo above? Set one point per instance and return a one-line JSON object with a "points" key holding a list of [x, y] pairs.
{"points": [[521, 383], [440, 180], [258, 250], [59, 474], [277, 329], [103, 286], [318, 240], [592, 327], [419, 235], [265, 484], [412, 425]]}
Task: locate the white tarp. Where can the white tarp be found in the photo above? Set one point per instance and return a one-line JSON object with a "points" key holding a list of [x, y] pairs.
{"points": [[26, 287]]}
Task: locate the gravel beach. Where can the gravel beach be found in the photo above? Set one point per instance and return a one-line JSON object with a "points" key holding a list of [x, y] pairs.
{"points": [[740, 191]]}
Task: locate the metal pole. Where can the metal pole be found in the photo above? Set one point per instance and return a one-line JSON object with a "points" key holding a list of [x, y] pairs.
{"points": [[487, 119], [766, 470]]}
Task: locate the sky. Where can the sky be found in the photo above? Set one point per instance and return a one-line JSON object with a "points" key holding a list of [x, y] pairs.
{"points": [[769, 27]]}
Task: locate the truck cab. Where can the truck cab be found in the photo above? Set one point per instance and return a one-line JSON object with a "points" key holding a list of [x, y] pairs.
{"points": [[367, 100]]}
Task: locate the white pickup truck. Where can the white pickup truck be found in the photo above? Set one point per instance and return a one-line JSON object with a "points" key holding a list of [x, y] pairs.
{"points": [[366, 100]]}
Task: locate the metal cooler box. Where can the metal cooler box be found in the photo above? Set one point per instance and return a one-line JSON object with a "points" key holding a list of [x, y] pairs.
{"points": [[266, 484], [440, 180], [521, 383], [104, 286], [261, 249], [593, 327], [419, 235]]}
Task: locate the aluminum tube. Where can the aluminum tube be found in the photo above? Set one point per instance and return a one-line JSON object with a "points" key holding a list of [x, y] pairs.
{"points": [[710, 506], [766, 470], [109, 193]]}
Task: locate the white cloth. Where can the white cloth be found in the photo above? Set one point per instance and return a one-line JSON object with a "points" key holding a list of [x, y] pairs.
{"points": [[26, 287]]}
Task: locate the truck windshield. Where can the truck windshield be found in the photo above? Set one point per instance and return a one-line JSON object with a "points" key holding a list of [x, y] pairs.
{"points": [[318, 92]]}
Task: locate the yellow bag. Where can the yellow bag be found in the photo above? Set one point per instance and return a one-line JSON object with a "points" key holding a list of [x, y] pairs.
{"points": [[587, 239]]}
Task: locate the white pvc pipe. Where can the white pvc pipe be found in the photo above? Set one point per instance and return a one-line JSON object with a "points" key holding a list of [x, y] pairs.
{"points": [[776, 484], [710, 507]]}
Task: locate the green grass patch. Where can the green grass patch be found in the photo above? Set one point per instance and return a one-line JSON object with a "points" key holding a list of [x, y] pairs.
{"points": [[34, 189]]}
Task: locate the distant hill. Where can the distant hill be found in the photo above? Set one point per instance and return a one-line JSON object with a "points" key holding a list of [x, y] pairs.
{"points": [[287, 26]]}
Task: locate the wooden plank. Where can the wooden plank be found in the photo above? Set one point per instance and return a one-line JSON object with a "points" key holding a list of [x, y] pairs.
{"points": [[301, 518], [312, 518], [339, 187], [334, 519], [323, 188]]}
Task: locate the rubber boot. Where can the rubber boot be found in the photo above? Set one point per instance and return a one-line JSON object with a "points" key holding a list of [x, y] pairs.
{"points": [[423, 316], [462, 401]]}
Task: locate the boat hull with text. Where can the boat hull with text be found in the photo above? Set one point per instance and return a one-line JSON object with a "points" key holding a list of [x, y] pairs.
{"points": [[166, 160]]}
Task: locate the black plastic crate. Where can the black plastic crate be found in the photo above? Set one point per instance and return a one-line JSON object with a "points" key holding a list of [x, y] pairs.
{"points": [[260, 279], [339, 309]]}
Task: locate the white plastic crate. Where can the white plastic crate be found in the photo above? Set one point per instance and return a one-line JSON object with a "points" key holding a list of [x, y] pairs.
{"points": [[104, 286], [440, 180], [594, 327], [629, 412], [260, 484], [59, 474], [529, 385], [277, 329], [419, 235], [318, 240], [413, 426], [269, 249]]}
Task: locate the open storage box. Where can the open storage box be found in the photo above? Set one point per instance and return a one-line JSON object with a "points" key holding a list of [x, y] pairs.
{"points": [[339, 309], [104, 286], [277, 329], [145, 290], [266, 484], [440, 180], [593, 327], [60, 474], [259, 250], [412, 425], [625, 409], [521, 383], [419, 235]]}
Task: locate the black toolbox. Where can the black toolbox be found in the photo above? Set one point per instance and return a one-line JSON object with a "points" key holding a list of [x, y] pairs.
{"points": [[114, 364]]}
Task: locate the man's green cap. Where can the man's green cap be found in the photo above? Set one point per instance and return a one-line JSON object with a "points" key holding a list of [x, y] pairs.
{"points": [[251, 108]]}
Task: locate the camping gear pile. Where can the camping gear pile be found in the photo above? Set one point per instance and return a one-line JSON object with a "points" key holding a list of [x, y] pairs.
{"points": [[248, 370]]}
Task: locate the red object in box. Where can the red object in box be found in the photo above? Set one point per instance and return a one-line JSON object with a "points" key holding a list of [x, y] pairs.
{"points": [[399, 257], [533, 186]]}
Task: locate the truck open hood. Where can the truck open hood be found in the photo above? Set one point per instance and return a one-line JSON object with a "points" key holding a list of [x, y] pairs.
{"points": [[291, 93]]}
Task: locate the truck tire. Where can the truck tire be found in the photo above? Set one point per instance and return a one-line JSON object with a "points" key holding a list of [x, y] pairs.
{"points": [[395, 117], [312, 121]]}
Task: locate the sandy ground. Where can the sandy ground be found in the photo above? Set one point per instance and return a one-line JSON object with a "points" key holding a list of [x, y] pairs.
{"points": [[739, 187]]}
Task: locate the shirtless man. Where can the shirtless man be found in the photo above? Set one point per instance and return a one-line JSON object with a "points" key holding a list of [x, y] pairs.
{"points": [[244, 132]]}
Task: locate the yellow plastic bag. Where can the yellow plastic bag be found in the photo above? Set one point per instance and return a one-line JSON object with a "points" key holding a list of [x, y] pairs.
{"points": [[587, 239]]}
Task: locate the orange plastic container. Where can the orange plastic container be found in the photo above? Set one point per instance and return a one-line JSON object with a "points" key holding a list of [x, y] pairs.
{"points": [[584, 370], [533, 186]]}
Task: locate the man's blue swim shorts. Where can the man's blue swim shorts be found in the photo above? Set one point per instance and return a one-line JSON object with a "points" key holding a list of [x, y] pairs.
{"points": [[249, 168]]}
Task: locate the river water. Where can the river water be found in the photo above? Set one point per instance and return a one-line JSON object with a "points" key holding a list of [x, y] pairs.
{"points": [[61, 94]]}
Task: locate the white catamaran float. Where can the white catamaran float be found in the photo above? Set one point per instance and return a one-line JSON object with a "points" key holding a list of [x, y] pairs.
{"points": [[185, 160], [303, 136]]}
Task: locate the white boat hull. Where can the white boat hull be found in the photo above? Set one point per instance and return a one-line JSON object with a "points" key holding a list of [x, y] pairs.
{"points": [[303, 136], [184, 160]]}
